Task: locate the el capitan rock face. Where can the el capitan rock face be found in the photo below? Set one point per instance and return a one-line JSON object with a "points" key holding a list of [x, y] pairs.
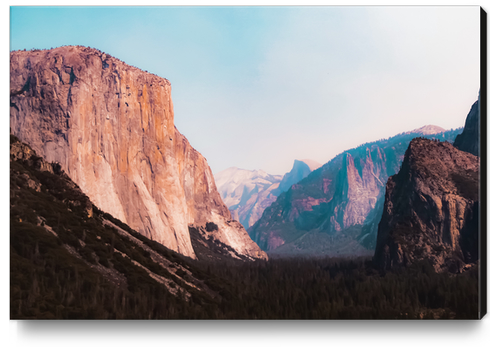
{"points": [[111, 127], [333, 210], [431, 209]]}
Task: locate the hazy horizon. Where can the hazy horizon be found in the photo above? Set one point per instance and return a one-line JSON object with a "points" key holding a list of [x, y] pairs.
{"points": [[258, 87]]}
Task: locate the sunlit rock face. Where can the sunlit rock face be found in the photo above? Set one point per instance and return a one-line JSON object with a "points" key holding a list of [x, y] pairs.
{"points": [[431, 209], [111, 127]]}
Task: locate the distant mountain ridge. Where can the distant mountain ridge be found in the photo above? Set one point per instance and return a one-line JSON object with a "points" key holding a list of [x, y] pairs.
{"points": [[428, 130], [301, 169], [327, 213], [235, 184], [247, 193]]}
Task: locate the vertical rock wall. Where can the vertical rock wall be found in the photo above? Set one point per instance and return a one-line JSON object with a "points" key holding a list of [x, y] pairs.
{"points": [[431, 209], [111, 127]]}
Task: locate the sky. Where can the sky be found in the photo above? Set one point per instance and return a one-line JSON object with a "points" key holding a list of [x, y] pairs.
{"points": [[258, 87]]}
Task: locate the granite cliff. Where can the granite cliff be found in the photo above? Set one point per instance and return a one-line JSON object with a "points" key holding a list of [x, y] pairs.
{"points": [[336, 208], [431, 209], [111, 128], [469, 139]]}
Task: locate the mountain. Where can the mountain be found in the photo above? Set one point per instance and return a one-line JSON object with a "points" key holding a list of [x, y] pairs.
{"points": [[111, 128], [469, 139], [248, 193], [335, 210], [301, 169], [428, 130], [70, 260], [431, 209]]}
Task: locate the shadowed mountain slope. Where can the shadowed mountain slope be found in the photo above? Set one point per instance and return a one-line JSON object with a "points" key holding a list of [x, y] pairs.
{"points": [[469, 139]]}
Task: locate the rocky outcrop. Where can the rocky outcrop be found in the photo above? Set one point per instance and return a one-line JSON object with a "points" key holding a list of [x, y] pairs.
{"points": [[431, 209], [469, 139], [111, 128], [207, 244], [333, 203], [24, 161], [21, 151]]}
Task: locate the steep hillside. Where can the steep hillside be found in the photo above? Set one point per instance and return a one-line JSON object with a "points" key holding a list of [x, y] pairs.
{"points": [[111, 128], [70, 260], [431, 209], [469, 139], [328, 212]]}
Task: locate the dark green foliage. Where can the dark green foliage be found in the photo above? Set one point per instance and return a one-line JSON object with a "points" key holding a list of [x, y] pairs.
{"points": [[343, 289], [210, 226]]}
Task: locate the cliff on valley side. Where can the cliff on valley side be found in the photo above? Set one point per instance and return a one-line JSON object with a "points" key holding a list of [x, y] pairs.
{"points": [[469, 139], [111, 128], [431, 209]]}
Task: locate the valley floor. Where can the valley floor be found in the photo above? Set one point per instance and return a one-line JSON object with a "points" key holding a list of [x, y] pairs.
{"points": [[278, 289], [344, 289]]}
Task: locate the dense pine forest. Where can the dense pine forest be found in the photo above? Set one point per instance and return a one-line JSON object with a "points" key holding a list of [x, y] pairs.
{"points": [[46, 283], [344, 289]]}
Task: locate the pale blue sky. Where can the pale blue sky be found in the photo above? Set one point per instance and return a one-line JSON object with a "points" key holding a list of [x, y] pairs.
{"points": [[257, 87]]}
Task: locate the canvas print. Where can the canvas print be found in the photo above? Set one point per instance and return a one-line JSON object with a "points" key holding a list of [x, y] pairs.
{"points": [[249, 163]]}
